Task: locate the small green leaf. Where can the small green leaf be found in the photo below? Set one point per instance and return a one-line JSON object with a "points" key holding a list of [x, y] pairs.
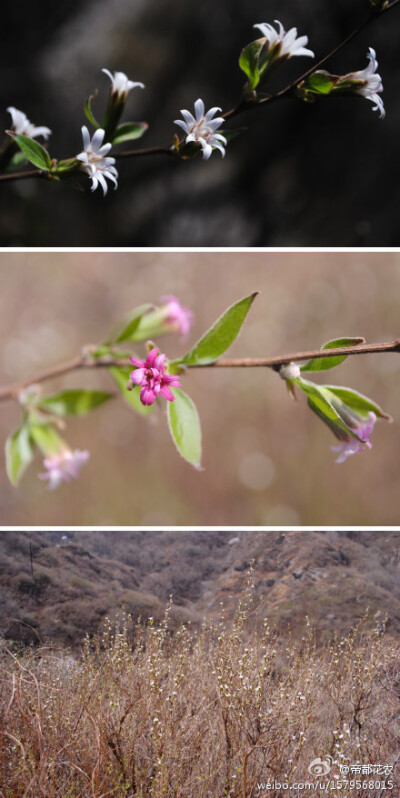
{"points": [[34, 152], [132, 398], [319, 82], [184, 425], [74, 402], [19, 453], [319, 401], [129, 131], [46, 438], [67, 165], [221, 335], [325, 363], [248, 62], [128, 325], [357, 401], [88, 110]]}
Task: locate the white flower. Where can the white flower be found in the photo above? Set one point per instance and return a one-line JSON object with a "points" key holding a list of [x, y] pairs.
{"points": [[63, 467], [288, 43], [290, 372], [372, 83], [94, 162], [202, 127], [120, 83], [23, 127]]}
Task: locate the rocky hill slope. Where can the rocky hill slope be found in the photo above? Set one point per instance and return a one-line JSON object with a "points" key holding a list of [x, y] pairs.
{"points": [[56, 587]]}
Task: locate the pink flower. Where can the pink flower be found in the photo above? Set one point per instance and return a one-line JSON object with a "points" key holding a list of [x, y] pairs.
{"points": [[64, 466], [349, 446], [150, 374], [177, 315]]}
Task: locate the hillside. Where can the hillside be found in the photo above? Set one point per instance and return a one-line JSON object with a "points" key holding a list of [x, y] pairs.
{"points": [[75, 579]]}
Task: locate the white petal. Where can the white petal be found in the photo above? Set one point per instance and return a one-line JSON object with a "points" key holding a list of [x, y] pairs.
{"points": [[218, 146], [41, 131], [219, 137], [107, 72], [102, 152], [207, 149], [199, 109], [209, 115], [97, 139], [102, 182], [182, 124], [213, 124], [85, 137], [188, 117]]}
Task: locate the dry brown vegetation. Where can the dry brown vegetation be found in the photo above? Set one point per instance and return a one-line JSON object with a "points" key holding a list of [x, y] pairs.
{"points": [[201, 713]]}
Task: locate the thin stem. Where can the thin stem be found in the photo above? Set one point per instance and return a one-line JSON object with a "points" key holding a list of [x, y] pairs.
{"points": [[282, 360], [243, 105], [144, 151], [22, 175], [84, 362]]}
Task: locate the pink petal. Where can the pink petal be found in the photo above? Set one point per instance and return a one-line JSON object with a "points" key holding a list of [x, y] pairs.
{"points": [[137, 376], [160, 362], [171, 380], [136, 362], [167, 394], [151, 358], [147, 396]]}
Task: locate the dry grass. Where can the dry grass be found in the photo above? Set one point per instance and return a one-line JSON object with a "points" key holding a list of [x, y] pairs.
{"points": [[200, 714]]}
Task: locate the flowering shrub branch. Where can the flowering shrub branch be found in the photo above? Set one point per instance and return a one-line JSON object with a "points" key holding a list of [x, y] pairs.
{"points": [[258, 60], [145, 382]]}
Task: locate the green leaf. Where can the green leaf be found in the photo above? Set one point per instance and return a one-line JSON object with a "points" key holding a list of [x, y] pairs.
{"points": [[319, 82], [248, 62], [129, 131], [88, 110], [67, 165], [19, 453], [357, 401], [46, 438], [74, 402], [128, 325], [184, 425], [325, 363], [132, 398], [221, 335], [321, 404], [34, 152]]}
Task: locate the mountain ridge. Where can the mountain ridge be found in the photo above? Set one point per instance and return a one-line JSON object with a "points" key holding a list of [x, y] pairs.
{"points": [[57, 586]]}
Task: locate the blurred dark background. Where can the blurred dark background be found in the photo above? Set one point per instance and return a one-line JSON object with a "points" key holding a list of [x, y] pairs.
{"points": [[313, 175]]}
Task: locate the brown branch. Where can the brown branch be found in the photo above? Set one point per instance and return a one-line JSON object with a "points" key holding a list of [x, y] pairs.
{"points": [[243, 105], [144, 151], [22, 175], [84, 362]]}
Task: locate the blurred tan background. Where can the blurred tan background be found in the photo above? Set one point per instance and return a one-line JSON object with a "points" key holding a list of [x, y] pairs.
{"points": [[267, 460]]}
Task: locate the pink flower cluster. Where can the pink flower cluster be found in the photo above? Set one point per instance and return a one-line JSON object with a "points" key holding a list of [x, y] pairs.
{"points": [[150, 374]]}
